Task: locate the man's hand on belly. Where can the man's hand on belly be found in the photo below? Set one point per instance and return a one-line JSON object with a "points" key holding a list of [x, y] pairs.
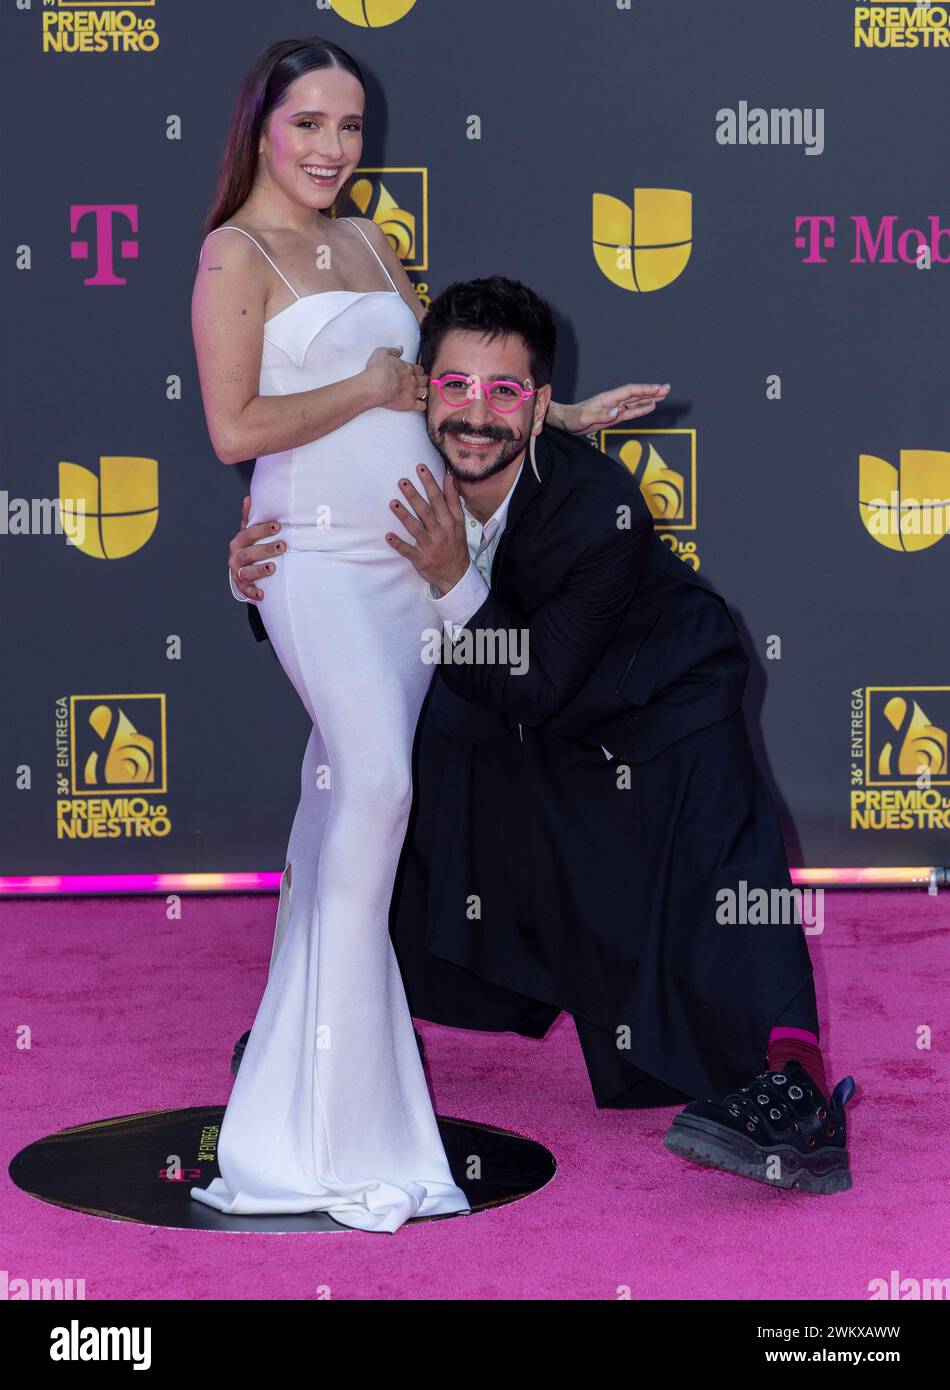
{"points": [[437, 524]]}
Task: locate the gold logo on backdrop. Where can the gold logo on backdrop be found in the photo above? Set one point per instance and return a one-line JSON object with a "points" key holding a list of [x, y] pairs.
{"points": [[899, 758], [99, 26], [913, 24], [904, 742], [647, 245], [372, 14], [397, 200], [118, 743], [129, 758], [907, 507], [664, 490], [117, 510], [921, 744], [663, 462]]}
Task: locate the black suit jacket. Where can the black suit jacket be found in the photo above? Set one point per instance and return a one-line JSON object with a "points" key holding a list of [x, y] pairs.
{"points": [[627, 646]]}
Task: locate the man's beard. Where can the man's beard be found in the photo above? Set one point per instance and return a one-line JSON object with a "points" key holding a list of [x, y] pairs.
{"points": [[513, 445]]}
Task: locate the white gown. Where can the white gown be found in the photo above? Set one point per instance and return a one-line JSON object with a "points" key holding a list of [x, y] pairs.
{"points": [[330, 1110]]}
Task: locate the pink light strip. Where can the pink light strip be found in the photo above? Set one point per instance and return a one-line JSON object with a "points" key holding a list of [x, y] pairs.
{"points": [[65, 885], [861, 878]]}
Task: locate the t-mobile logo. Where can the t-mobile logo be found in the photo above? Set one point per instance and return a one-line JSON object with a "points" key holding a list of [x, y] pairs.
{"points": [[882, 243], [104, 213]]}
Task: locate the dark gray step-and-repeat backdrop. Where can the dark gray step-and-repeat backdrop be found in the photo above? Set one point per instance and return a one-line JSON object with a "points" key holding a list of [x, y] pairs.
{"points": [[748, 200]]}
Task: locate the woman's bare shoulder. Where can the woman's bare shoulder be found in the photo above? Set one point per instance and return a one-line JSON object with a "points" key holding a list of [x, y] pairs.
{"points": [[372, 229], [230, 267], [234, 225]]}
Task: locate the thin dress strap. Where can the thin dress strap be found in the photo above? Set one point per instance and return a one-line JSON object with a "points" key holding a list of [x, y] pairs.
{"points": [[230, 227], [372, 248]]}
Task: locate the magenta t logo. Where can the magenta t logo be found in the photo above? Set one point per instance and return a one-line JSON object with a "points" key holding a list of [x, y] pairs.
{"points": [[816, 240], [128, 249]]}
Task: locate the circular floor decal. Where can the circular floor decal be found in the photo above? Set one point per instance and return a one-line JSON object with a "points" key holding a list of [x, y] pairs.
{"points": [[141, 1168]]}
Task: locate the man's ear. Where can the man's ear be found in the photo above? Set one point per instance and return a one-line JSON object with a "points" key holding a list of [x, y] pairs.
{"points": [[542, 400]]}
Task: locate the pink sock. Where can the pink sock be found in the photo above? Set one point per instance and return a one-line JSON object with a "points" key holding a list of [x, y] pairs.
{"points": [[787, 1043]]}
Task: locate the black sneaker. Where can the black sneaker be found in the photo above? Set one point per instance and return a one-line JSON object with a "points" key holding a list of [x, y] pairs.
{"points": [[779, 1129], [241, 1044]]}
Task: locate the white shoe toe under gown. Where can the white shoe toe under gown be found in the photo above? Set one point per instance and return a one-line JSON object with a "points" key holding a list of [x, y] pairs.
{"points": [[330, 1110]]}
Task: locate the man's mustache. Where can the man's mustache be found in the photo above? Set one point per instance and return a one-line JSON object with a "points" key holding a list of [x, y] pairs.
{"points": [[489, 432]]}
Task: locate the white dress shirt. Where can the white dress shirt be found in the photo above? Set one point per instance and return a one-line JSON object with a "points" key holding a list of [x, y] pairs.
{"points": [[468, 595]]}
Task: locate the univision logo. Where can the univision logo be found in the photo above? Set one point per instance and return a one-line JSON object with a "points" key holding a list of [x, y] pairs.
{"points": [[113, 514], [643, 245], [372, 14], [907, 507]]}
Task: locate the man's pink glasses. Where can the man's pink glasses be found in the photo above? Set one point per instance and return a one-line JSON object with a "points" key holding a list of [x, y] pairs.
{"points": [[503, 396]]}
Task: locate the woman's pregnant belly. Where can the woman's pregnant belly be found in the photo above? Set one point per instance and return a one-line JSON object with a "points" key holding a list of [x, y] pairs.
{"points": [[334, 493]]}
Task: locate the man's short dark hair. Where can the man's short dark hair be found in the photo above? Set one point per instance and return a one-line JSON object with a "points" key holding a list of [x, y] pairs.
{"points": [[494, 306]]}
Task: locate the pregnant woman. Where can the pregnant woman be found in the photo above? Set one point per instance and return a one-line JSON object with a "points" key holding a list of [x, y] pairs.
{"points": [[306, 331]]}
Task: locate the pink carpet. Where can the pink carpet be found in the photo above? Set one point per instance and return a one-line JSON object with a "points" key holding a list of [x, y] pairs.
{"points": [[129, 1011]]}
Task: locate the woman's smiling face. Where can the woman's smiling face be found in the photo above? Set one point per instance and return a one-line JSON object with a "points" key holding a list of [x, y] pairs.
{"points": [[314, 138]]}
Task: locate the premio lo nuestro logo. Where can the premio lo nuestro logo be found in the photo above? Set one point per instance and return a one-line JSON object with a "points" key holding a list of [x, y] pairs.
{"points": [[900, 767], [92, 27], [905, 745], [663, 462], [111, 764], [910, 24], [397, 200]]}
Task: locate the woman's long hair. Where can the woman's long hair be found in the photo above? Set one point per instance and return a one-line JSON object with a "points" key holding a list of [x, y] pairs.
{"points": [[263, 88]]}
